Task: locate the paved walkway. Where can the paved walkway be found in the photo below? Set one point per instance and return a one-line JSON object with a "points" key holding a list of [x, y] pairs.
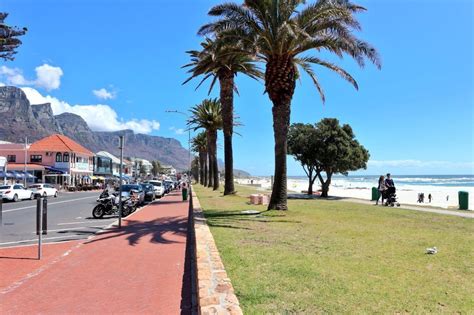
{"points": [[466, 214], [137, 269]]}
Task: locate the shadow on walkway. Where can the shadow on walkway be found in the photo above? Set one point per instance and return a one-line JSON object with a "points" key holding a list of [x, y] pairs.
{"points": [[135, 230]]}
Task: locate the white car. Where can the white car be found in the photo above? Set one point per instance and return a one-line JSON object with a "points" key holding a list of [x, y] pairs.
{"points": [[44, 190], [158, 186], [16, 192]]}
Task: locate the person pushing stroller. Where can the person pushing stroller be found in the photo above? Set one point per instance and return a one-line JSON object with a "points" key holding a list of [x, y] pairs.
{"points": [[390, 190]]}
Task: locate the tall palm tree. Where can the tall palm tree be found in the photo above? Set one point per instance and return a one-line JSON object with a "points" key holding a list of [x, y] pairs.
{"points": [[220, 61], [208, 116], [279, 32], [199, 145]]}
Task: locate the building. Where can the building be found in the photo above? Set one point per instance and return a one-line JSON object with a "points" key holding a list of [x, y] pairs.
{"points": [[102, 166], [168, 170], [56, 159], [136, 166]]}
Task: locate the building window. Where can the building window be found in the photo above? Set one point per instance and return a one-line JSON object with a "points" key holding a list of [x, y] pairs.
{"points": [[66, 157], [11, 158], [36, 158], [59, 157]]}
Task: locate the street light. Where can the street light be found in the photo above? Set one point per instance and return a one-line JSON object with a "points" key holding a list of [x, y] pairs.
{"points": [[189, 136]]}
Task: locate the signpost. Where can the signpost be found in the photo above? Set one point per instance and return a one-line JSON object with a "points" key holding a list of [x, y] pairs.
{"points": [[120, 190], [41, 221]]}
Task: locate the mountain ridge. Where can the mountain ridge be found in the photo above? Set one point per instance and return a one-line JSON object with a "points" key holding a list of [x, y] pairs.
{"points": [[19, 119]]}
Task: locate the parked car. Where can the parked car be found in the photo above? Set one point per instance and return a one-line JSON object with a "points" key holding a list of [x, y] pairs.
{"points": [[16, 192], [136, 187], [170, 184], [149, 190], [44, 190], [167, 187], [158, 186]]}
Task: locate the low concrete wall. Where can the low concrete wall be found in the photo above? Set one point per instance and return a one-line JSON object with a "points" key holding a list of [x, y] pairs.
{"points": [[215, 294]]}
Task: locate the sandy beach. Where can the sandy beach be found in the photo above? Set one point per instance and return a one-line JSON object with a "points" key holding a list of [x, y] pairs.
{"points": [[442, 197]]}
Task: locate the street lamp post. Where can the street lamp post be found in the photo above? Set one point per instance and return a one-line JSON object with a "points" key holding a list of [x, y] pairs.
{"points": [[189, 139]]}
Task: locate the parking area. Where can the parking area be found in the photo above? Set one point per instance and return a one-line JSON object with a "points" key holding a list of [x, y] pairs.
{"points": [[69, 218]]}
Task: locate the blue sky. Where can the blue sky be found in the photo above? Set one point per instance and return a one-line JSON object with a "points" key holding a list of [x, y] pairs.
{"points": [[415, 116]]}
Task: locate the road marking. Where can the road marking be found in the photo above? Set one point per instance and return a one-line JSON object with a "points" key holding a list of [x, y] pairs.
{"points": [[68, 223], [44, 238], [49, 204], [76, 228]]}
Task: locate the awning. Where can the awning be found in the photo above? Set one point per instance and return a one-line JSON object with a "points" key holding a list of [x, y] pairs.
{"points": [[18, 175], [53, 170], [28, 175]]}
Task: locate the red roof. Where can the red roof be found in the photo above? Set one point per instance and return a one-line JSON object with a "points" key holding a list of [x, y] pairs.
{"points": [[59, 143]]}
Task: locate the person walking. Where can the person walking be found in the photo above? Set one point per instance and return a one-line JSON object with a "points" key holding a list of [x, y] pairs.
{"points": [[429, 197], [381, 188]]}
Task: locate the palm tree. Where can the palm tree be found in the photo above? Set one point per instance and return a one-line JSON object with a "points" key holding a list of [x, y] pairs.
{"points": [[199, 145], [208, 116], [223, 62], [279, 32]]}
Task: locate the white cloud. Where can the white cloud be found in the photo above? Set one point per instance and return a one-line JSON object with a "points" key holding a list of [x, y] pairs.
{"points": [[47, 77], [420, 164], [99, 117], [103, 94], [13, 76], [178, 131]]}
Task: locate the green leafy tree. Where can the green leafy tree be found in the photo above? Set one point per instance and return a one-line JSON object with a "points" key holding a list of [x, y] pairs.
{"points": [[208, 116], [142, 168], [199, 145], [303, 145], [338, 151], [9, 41], [280, 33], [222, 62], [156, 167]]}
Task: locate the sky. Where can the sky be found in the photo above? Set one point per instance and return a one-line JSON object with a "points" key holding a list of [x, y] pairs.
{"points": [[118, 65]]}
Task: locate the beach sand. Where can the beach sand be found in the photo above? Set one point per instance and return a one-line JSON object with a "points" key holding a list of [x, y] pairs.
{"points": [[407, 196]]}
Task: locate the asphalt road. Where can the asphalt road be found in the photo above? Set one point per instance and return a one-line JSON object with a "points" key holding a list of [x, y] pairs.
{"points": [[69, 218]]}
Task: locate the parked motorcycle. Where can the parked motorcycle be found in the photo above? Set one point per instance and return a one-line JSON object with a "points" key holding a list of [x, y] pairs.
{"points": [[109, 205]]}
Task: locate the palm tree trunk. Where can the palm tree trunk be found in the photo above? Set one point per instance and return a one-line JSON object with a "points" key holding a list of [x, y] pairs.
{"points": [[214, 166], [226, 81], [201, 167], [280, 85], [205, 169], [210, 178]]}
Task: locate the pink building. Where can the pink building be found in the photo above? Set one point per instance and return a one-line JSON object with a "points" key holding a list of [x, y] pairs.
{"points": [[56, 159]]}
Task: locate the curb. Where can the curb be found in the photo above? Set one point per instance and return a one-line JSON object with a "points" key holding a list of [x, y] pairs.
{"points": [[215, 293]]}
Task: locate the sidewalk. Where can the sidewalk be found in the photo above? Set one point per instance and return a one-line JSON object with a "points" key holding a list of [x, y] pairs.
{"points": [[137, 269]]}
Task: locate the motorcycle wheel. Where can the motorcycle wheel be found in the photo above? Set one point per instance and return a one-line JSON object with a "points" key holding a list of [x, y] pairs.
{"points": [[98, 211], [125, 211]]}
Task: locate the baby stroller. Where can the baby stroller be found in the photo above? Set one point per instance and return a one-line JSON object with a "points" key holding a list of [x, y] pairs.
{"points": [[390, 197]]}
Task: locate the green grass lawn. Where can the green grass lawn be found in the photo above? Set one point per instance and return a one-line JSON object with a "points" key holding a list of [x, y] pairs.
{"points": [[339, 257]]}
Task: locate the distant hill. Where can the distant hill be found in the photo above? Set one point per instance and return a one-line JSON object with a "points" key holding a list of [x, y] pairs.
{"points": [[19, 119]]}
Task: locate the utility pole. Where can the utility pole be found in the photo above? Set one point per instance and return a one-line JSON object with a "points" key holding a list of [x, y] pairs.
{"points": [[26, 157], [120, 190], [189, 139]]}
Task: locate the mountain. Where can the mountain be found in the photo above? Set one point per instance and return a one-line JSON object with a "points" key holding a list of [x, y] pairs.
{"points": [[19, 119]]}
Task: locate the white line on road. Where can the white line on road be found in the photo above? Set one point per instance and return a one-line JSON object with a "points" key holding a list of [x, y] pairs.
{"points": [[70, 223], [35, 239], [49, 204], [76, 228]]}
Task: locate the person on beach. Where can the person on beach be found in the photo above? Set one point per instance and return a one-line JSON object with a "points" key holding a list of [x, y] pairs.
{"points": [[381, 189], [389, 181], [429, 198]]}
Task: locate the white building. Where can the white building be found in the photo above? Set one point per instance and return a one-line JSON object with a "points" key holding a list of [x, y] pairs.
{"points": [[168, 169], [136, 166]]}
